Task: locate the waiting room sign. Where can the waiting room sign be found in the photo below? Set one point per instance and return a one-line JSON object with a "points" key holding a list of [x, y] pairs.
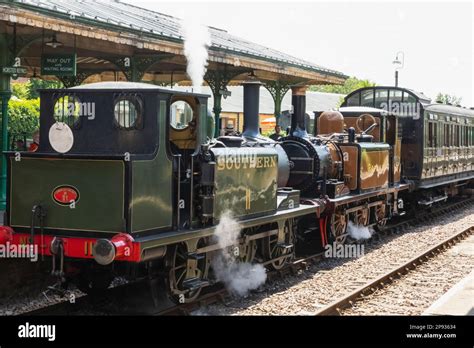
{"points": [[58, 64]]}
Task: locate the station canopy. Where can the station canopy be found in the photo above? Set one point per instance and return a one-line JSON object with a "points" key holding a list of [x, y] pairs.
{"points": [[106, 35]]}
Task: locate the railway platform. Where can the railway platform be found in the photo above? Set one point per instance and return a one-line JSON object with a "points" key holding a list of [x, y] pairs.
{"points": [[459, 300]]}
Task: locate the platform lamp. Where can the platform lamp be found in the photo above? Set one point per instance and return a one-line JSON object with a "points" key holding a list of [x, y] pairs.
{"points": [[54, 43], [399, 64]]}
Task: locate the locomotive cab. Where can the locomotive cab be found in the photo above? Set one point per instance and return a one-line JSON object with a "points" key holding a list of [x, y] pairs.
{"points": [[104, 151], [379, 127]]}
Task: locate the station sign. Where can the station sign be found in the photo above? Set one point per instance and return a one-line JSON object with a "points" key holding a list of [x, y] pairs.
{"points": [[58, 64], [14, 70], [225, 93]]}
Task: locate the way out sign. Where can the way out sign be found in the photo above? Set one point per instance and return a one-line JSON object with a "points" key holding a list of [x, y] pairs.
{"points": [[58, 64]]}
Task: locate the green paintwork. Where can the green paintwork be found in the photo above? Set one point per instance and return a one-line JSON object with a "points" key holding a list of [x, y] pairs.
{"points": [[278, 90], [234, 175], [151, 203], [203, 129], [173, 237], [58, 64], [5, 94], [101, 193], [211, 126], [217, 114]]}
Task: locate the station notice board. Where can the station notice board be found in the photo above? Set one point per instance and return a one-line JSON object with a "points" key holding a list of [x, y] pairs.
{"points": [[58, 64]]}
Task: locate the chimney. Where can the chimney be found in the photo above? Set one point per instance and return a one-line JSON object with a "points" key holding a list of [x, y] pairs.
{"points": [[251, 108], [298, 100]]}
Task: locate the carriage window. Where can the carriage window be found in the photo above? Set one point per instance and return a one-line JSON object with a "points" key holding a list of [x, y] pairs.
{"points": [[181, 115], [395, 95], [446, 135], [67, 109], [127, 112], [456, 135], [367, 98], [353, 100], [432, 134], [408, 98]]}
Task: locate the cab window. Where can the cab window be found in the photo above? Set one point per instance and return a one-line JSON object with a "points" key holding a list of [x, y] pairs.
{"points": [[367, 98], [181, 115], [353, 100], [128, 112], [381, 96]]}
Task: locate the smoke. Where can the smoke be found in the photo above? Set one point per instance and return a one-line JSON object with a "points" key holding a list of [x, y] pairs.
{"points": [[359, 232], [197, 39], [239, 277]]}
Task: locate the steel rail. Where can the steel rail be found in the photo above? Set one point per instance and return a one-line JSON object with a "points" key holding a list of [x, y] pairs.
{"points": [[337, 306], [221, 293]]}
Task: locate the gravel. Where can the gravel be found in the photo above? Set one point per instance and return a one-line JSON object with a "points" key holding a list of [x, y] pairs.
{"points": [[16, 305], [414, 293], [42, 297], [327, 280], [309, 290]]}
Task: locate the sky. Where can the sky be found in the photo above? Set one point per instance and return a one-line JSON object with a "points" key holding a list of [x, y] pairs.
{"points": [[356, 38]]}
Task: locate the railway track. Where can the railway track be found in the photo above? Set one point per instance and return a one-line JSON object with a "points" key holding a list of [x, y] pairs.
{"points": [[337, 306], [301, 263], [217, 293]]}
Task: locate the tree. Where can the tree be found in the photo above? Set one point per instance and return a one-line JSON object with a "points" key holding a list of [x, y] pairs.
{"points": [[29, 90], [36, 84], [23, 111], [20, 90], [23, 117], [350, 85], [448, 99]]}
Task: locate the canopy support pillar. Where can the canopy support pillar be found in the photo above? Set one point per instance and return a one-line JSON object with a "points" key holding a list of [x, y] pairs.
{"points": [[5, 95], [278, 90]]}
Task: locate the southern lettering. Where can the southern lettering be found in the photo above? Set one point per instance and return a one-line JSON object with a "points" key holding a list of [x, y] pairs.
{"points": [[243, 162]]}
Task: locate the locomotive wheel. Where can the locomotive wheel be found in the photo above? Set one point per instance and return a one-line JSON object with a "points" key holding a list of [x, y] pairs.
{"points": [[273, 249], [247, 252], [380, 215], [361, 217], [181, 268], [339, 227]]}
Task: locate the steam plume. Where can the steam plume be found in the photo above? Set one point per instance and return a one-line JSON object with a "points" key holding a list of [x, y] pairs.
{"points": [[197, 39], [358, 232], [238, 277]]}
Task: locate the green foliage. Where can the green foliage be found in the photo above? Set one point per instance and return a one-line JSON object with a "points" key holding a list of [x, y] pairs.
{"points": [[350, 85], [36, 84], [272, 131], [29, 90], [24, 111], [23, 116], [448, 99], [20, 90]]}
